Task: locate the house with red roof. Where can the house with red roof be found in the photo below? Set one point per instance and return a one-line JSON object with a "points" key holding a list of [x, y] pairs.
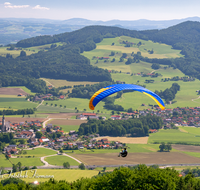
{"points": [[115, 117]]}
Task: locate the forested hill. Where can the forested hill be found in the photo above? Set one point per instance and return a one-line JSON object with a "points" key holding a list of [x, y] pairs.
{"points": [[84, 35], [65, 62], [184, 36]]}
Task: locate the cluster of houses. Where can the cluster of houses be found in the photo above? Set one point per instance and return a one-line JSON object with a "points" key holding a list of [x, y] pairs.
{"points": [[27, 130], [47, 97], [185, 116], [178, 116]]}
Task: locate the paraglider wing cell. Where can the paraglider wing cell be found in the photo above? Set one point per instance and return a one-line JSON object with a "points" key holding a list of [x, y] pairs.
{"points": [[108, 90]]}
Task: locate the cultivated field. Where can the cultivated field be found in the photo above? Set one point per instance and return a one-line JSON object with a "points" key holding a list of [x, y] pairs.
{"points": [[22, 119], [137, 158], [186, 148], [12, 91], [69, 175], [129, 140]]}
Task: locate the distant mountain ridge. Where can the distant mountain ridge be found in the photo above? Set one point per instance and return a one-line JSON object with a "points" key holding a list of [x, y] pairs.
{"points": [[14, 29], [141, 24]]}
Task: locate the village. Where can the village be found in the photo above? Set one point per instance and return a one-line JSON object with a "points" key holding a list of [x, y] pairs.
{"points": [[52, 136]]}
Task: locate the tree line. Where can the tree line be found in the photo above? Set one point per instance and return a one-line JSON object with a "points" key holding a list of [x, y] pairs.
{"points": [[136, 127], [169, 93], [17, 112]]}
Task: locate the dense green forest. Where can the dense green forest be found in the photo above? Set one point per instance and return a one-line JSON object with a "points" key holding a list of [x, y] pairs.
{"points": [[17, 112], [65, 62], [138, 177], [135, 127]]}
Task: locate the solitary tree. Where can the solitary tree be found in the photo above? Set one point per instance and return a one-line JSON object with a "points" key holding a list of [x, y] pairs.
{"points": [[22, 53], [162, 147], [66, 165], [82, 166]]}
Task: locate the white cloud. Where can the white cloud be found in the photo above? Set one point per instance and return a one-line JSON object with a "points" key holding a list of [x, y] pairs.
{"points": [[9, 5], [41, 8]]}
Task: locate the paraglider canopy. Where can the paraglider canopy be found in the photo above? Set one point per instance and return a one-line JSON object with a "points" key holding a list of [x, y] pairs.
{"points": [[108, 90]]}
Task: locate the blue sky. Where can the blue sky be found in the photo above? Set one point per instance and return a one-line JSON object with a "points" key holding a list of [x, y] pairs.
{"points": [[100, 10]]}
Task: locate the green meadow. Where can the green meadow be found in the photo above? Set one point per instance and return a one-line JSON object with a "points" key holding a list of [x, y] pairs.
{"points": [[173, 136], [4, 162], [53, 109], [14, 53], [60, 159], [27, 161], [67, 128], [71, 103], [105, 47], [39, 152], [132, 148], [16, 103], [191, 130]]}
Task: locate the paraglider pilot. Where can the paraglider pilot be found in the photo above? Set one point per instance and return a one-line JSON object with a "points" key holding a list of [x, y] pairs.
{"points": [[123, 153]]}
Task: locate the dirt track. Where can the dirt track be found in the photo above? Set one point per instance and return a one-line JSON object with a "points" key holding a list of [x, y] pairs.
{"points": [[12, 91], [137, 158]]}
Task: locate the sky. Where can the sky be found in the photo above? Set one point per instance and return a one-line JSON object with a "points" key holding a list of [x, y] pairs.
{"points": [[103, 10]]}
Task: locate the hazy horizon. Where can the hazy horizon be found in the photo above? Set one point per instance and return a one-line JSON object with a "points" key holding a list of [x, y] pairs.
{"points": [[100, 11]]}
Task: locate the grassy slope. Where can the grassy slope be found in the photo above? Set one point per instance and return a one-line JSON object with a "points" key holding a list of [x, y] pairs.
{"points": [[173, 136], [29, 51], [59, 174]]}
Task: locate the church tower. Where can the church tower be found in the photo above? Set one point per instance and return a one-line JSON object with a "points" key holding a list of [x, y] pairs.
{"points": [[5, 125]]}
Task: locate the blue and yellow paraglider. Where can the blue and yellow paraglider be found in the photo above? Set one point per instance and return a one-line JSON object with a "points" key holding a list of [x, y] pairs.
{"points": [[108, 90]]}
